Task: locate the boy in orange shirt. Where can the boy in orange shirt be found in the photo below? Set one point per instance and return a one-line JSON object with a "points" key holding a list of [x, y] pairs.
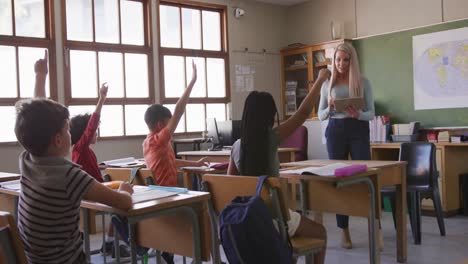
{"points": [[157, 149]]}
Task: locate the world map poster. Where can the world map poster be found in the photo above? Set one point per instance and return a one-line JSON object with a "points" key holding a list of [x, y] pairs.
{"points": [[440, 69]]}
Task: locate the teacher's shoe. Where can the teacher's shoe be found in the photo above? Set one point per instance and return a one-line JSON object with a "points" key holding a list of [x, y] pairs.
{"points": [[346, 239]]}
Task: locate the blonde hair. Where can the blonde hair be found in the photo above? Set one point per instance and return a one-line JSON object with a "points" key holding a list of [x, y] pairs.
{"points": [[354, 75]]}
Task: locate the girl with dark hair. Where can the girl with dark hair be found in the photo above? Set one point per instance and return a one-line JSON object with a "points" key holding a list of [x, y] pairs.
{"points": [[256, 152]]}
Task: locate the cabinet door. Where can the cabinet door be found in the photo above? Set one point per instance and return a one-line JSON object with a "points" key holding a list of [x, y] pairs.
{"points": [[295, 79]]}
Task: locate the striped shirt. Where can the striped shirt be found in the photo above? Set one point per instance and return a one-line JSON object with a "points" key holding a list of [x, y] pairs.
{"points": [[49, 208]]}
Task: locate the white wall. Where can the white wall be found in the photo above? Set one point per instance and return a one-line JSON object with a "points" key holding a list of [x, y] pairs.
{"points": [[262, 27], [310, 22]]}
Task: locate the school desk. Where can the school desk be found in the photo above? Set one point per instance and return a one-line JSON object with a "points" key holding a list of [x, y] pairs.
{"points": [[284, 154], [188, 173], [196, 142], [178, 224], [325, 199]]}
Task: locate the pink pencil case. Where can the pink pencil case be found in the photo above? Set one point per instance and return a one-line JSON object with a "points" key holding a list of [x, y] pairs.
{"points": [[350, 170]]}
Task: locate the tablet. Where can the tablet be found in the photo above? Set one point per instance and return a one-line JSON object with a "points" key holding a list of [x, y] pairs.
{"points": [[341, 104]]}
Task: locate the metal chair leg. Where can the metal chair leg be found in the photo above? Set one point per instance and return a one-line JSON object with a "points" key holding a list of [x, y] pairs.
{"points": [[417, 204]]}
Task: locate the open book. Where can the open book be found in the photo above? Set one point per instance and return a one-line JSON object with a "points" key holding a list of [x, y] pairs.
{"points": [[332, 170], [11, 185], [144, 193], [125, 162]]}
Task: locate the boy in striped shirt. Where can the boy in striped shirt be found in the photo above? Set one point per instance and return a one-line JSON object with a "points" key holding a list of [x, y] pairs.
{"points": [[52, 187]]}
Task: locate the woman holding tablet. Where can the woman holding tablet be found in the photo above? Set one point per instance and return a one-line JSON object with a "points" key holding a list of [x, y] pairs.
{"points": [[347, 133]]}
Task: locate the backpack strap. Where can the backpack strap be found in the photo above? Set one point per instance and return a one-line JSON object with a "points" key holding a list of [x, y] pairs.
{"points": [[133, 174], [261, 181]]}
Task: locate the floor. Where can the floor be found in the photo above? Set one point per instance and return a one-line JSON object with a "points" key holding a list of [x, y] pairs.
{"points": [[433, 250]]}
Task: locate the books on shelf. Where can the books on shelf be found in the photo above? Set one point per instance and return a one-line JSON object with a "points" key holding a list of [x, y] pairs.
{"points": [[11, 185], [125, 162], [443, 136], [332, 170], [379, 129], [406, 129]]}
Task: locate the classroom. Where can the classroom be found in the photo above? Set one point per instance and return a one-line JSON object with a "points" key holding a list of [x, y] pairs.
{"points": [[144, 50]]}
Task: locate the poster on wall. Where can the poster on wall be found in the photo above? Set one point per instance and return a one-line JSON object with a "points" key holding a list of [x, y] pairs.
{"points": [[440, 69]]}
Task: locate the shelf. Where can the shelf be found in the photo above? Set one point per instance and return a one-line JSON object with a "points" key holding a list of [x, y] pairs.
{"points": [[296, 68], [321, 64]]}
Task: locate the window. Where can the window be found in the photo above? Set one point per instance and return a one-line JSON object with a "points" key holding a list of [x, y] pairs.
{"points": [[190, 31], [109, 41], [24, 35]]}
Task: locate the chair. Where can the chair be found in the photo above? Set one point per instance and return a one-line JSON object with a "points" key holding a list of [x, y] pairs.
{"points": [[11, 247], [142, 176], [421, 182], [298, 139], [224, 188]]}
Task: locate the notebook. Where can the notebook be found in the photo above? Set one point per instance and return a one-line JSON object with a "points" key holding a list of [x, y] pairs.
{"points": [[332, 170]]}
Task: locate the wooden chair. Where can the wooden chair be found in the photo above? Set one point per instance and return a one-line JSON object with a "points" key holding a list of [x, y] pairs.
{"points": [[143, 176], [224, 188], [11, 247]]}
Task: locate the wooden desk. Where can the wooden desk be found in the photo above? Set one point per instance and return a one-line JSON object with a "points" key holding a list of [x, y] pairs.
{"points": [[284, 154], [178, 224], [391, 173], [451, 161], [194, 141]]}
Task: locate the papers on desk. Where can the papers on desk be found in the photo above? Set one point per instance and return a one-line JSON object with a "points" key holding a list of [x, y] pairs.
{"points": [[125, 162], [195, 168], [327, 171], [11, 185], [143, 193]]}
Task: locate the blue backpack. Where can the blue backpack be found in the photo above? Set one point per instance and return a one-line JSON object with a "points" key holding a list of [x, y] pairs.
{"points": [[247, 232]]}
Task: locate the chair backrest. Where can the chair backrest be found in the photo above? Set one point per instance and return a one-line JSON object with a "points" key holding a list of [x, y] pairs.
{"points": [[224, 188], [123, 174], [298, 139], [11, 247], [421, 169]]}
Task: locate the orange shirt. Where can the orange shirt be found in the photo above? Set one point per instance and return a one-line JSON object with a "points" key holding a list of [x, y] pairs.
{"points": [[160, 157]]}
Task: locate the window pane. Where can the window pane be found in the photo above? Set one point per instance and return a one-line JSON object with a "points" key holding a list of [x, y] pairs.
{"points": [[181, 126], [79, 20], [7, 133], [6, 25], [169, 21], [80, 110], [27, 59], [217, 111], [195, 117], [134, 120], [8, 72], [216, 77], [83, 74], [191, 29], [111, 71], [106, 16], [174, 83], [211, 30], [132, 22], [200, 85], [29, 18], [111, 121], [136, 75]]}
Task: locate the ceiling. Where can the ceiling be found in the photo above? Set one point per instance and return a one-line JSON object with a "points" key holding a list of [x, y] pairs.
{"points": [[283, 2]]}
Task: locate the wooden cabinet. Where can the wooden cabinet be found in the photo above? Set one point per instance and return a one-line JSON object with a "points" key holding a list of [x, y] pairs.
{"points": [[451, 162], [300, 67]]}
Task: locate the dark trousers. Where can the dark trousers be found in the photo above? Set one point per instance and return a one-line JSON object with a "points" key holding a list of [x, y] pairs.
{"points": [[347, 137]]}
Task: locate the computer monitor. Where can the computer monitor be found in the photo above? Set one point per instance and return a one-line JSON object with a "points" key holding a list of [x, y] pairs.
{"points": [[213, 134], [229, 131]]}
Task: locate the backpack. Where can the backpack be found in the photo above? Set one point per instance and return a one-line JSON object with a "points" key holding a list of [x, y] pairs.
{"points": [[247, 232]]}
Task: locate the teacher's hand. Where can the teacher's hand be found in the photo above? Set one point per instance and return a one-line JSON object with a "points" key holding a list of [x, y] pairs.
{"points": [[323, 75], [352, 112]]}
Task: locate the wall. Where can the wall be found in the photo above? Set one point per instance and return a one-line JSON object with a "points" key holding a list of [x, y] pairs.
{"points": [[262, 27], [311, 20]]}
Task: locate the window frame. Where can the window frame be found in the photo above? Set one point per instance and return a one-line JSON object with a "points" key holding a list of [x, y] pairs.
{"points": [[184, 52], [48, 42], [146, 49]]}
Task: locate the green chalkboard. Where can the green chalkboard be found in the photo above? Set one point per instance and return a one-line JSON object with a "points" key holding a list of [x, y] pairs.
{"points": [[387, 61]]}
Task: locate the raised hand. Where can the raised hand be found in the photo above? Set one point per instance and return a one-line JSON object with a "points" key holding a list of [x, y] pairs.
{"points": [[194, 72], [103, 91], [41, 67]]}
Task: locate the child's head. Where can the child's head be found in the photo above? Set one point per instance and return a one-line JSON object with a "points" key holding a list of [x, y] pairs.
{"points": [[157, 117], [78, 125], [258, 119], [42, 127]]}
